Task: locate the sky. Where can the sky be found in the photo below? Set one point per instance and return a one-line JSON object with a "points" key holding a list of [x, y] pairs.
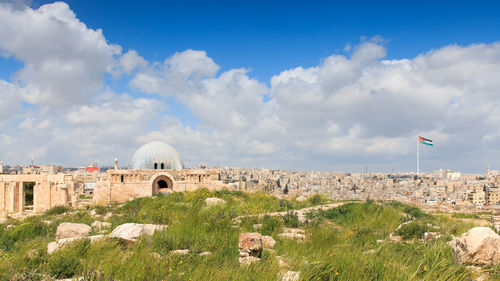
{"points": [[309, 85]]}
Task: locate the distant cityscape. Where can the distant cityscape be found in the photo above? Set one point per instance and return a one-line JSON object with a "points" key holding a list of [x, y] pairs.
{"points": [[444, 189]]}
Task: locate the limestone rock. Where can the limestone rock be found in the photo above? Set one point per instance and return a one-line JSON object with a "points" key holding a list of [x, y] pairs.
{"points": [[268, 242], [70, 230], [289, 276], [10, 226], [251, 243], [478, 246], [431, 236], [202, 254], [180, 252], [130, 232], [212, 201], [294, 230], [395, 238], [257, 226], [290, 235], [248, 260], [293, 233], [52, 247], [92, 238], [98, 225]]}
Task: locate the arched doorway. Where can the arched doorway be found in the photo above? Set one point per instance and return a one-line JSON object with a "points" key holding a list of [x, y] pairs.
{"points": [[162, 183]]}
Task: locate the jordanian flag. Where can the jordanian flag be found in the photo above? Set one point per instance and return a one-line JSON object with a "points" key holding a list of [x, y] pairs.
{"points": [[425, 141]]}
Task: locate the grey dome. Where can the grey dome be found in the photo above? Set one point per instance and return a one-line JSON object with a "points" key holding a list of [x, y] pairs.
{"points": [[156, 156]]}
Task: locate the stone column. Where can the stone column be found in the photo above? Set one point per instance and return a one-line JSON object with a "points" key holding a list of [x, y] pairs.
{"points": [[64, 194], [36, 192], [3, 208], [12, 199], [74, 201], [45, 196], [20, 198]]}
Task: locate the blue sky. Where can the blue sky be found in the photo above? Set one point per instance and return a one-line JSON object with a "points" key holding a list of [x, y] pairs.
{"points": [[271, 36], [316, 85]]}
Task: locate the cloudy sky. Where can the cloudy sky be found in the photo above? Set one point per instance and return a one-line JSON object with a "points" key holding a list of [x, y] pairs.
{"points": [[317, 86]]}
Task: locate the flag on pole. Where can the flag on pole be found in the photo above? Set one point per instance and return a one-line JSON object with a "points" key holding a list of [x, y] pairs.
{"points": [[425, 141]]}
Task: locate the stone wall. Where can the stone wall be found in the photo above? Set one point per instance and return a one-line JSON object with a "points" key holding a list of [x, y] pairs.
{"points": [[49, 190], [123, 185]]}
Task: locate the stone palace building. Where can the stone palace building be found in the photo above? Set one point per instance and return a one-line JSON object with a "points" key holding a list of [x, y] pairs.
{"points": [[156, 167]]}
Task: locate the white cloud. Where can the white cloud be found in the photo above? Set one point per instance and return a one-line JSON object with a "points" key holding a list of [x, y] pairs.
{"points": [[360, 106], [10, 102], [131, 60], [230, 105], [64, 61], [348, 109], [85, 133], [179, 74]]}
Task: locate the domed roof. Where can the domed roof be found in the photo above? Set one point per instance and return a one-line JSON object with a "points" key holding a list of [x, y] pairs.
{"points": [[156, 156]]}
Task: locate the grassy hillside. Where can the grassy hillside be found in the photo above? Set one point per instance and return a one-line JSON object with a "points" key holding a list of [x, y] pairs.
{"points": [[341, 242]]}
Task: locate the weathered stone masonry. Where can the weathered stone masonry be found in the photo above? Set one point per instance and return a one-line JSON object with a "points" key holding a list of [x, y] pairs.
{"points": [[123, 185], [49, 190]]}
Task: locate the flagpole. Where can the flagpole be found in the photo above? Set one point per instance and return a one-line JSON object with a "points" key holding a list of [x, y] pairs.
{"points": [[418, 158]]}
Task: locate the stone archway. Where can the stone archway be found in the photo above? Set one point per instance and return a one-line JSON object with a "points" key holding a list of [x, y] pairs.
{"points": [[162, 182]]}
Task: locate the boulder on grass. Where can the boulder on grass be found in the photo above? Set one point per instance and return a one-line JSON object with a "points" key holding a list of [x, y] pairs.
{"points": [[212, 201], [180, 252], [250, 243], [130, 232], [71, 230], [293, 233], [478, 246], [268, 242], [52, 247]]}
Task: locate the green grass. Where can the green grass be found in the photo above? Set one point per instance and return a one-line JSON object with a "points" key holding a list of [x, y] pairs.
{"points": [[341, 244], [415, 229], [470, 215]]}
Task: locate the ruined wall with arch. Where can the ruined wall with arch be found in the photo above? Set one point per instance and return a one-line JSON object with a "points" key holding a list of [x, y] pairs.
{"points": [[123, 185]]}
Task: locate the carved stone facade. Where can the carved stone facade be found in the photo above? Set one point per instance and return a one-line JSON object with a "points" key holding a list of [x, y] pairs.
{"points": [[123, 185], [49, 190]]}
